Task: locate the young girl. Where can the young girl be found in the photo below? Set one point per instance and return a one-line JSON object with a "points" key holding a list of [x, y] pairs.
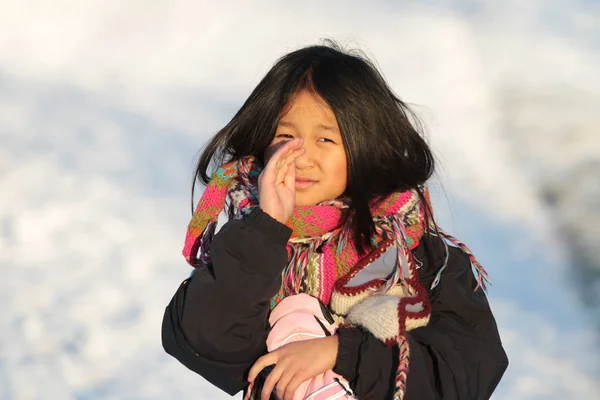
{"points": [[325, 173]]}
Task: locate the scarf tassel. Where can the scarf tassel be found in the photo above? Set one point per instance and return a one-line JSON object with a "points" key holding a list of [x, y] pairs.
{"points": [[207, 237], [398, 231], [295, 270], [403, 366], [482, 276]]}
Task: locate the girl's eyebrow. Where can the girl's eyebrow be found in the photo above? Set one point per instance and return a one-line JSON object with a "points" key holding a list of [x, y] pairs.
{"points": [[327, 128], [287, 124]]}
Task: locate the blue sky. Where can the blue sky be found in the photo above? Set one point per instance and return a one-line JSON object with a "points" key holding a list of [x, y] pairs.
{"points": [[105, 105]]}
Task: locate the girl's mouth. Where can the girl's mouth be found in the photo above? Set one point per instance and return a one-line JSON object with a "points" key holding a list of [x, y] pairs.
{"points": [[304, 183]]}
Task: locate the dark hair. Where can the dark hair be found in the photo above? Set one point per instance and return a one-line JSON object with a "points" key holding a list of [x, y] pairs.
{"points": [[386, 153]]}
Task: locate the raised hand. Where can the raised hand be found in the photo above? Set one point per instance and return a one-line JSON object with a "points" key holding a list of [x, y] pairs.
{"points": [[277, 182]]}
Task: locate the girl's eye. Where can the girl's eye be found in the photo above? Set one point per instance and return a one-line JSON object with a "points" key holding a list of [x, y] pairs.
{"points": [[326, 140], [284, 136]]}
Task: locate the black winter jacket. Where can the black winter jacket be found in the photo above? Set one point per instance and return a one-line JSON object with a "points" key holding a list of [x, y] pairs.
{"points": [[216, 324]]}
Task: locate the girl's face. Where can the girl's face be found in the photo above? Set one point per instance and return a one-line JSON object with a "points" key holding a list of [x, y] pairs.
{"points": [[321, 172]]}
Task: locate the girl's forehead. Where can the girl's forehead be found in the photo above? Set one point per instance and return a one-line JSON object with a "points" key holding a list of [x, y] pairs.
{"points": [[307, 104]]}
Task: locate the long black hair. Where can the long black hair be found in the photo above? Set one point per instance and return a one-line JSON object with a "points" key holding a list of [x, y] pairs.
{"points": [[385, 149]]}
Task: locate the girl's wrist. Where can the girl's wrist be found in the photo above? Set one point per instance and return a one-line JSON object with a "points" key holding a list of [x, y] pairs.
{"points": [[333, 342]]}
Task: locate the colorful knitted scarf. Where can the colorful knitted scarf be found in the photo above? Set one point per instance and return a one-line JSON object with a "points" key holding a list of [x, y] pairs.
{"points": [[323, 258]]}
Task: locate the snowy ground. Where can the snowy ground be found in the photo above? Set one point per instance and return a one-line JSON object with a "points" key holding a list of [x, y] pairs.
{"points": [[104, 106]]}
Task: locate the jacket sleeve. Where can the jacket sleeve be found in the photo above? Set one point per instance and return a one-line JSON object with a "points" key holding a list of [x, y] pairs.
{"points": [[458, 355], [216, 324]]}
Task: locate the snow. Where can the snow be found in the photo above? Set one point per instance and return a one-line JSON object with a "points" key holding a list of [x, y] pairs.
{"points": [[104, 106]]}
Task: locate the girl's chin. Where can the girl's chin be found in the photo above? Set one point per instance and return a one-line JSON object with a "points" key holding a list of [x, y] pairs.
{"points": [[306, 200]]}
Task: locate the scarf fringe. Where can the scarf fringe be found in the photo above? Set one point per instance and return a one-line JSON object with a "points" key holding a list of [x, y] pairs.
{"points": [[300, 252], [249, 391], [482, 276], [207, 237], [403, 366], [397, 230]]}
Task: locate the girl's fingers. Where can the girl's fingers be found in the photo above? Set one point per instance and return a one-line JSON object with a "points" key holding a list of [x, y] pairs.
{"points": [[273, 163], [289, 177], [291, 387], [286, 162], [270, 382], [273, 148], [282, 385], [260, 364], [282, 148]]}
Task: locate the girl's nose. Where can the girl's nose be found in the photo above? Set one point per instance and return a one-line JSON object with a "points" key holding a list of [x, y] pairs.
{"points": [[305, 161]]}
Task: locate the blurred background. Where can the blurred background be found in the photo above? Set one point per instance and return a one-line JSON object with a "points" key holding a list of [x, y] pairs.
{"points": [[105, 104]]}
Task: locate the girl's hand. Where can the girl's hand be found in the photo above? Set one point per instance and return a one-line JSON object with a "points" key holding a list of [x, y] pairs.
{"points": [[277, 182], [296, 362]]}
